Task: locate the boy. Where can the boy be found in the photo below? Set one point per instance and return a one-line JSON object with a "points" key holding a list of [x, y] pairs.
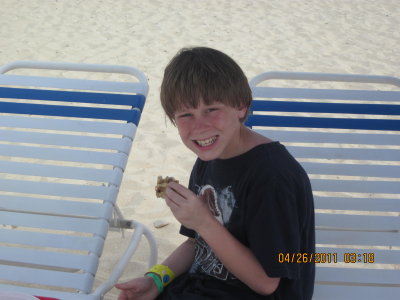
{"points": [[248, 198]]}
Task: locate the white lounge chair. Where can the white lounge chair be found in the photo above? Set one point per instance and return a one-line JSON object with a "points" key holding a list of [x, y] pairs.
{"points": [[64, 145], [348, 140]]}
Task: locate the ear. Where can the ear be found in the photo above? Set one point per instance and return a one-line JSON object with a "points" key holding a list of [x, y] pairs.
{"points": [[242, 111]]}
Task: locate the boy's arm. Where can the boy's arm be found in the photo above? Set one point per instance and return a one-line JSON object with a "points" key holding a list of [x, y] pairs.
{"points": [[144, 287], [182, 258], [237, 258]]}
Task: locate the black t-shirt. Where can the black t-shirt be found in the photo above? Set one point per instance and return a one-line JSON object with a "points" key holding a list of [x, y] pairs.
{"points": [[264, 198]]}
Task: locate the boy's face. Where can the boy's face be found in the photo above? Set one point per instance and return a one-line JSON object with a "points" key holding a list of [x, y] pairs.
{"points": [[211, 131]]}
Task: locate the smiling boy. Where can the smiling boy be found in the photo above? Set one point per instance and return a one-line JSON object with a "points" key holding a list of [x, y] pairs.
{"points": [[248, 199]]}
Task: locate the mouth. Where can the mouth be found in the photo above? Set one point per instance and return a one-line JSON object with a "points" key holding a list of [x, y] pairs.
{"points": [[206, 142]]}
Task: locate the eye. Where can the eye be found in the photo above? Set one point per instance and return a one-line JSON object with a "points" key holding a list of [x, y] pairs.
{"points": [[211, 109], [185, 115]]}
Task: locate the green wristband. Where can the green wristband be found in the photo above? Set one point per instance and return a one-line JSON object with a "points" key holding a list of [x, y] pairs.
{"points": [[157, 281]]}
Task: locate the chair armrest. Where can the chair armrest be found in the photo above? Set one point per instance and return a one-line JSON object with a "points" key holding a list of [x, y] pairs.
{"points": [[140, 230]]}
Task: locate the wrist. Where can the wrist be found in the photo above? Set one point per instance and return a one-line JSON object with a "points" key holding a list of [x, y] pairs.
{"points": [[157, 281], [209, 226], [162, 276]]}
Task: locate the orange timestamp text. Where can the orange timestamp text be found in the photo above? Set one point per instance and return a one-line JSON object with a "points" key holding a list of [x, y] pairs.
{"points": [[326, 257]]}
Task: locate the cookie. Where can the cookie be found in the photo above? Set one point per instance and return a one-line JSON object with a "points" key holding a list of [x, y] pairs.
{"points": [[162, 184]]}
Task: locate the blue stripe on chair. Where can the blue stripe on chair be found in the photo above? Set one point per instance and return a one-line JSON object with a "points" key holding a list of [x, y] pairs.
{"points": [[310, 122], [312, 107], [129, 115], [71, 96]]}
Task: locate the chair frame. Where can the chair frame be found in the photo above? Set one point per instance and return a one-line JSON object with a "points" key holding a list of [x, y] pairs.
{"points": [[103, 115], [348, 141]]}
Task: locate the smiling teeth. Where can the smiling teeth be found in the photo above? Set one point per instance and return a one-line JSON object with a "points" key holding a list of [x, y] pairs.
{"points": [[207, 142]]}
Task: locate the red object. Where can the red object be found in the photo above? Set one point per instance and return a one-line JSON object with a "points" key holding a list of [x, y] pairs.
{"points": [[46, 298]]}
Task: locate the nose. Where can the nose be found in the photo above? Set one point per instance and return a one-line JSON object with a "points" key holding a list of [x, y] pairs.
{"points": [[200, 123]]}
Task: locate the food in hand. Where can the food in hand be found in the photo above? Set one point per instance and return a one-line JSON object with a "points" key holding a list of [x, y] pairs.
{"points": [[162, 184]]}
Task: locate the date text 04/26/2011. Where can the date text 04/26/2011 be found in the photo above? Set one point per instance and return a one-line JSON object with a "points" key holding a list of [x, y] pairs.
{"points": [[326, 257]]}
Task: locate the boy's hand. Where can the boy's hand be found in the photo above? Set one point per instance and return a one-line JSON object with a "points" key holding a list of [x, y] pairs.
{"points": [[142, 288], [187, 208]]}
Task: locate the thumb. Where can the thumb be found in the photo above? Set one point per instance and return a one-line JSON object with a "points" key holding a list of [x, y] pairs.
{"points": [[125, 285]]}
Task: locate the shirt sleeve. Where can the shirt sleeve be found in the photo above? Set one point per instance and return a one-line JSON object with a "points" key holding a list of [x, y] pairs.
{"points": [[273, 226], [187, 232]]}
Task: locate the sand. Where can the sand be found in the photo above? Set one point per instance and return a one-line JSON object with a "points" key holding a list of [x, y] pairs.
{"points": [[358, 36]]}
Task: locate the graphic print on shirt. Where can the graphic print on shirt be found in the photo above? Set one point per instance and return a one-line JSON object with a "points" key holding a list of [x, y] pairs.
{"points": [[221, 205]]}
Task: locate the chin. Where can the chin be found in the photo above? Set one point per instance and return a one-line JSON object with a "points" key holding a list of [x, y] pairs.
{"points": [[206, 156]]}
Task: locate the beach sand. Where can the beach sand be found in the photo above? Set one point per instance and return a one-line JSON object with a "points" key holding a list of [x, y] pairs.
{"points": [[341, 36]]}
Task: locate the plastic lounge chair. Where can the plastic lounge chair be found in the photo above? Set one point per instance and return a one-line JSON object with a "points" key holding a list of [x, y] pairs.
{"points": [[348, 141], [64, 145]]}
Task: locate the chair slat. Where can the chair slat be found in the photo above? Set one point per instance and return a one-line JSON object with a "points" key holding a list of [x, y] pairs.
{"points": [[361, 275], [59, 189], [67, 155], [356, 186], [361, 222], [54, 139], [56, 207], [74, 125], [345, 153], [343, 292], [43, 258], [113, 176], [71, 111], [309, 136], [319, 122], [331, 108], [357, 238], [75, 84], [73, 96], [362, 170], [48, 293], [332, 94], [58, 241], [80, 281], [92, 226], [366, 204]]}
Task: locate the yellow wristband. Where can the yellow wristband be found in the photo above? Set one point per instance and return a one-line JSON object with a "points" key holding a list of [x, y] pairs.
{"points": [[165, 273]]}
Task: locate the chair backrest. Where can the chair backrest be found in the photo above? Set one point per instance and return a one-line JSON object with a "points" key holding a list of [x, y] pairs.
{"points": [[348, 141], [64, 145]]}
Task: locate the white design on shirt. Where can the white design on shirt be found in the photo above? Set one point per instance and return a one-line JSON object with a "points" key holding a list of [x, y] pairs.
{"points": [[221, 204]]}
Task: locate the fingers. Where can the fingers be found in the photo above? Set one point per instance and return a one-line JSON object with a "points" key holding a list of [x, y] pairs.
{"points": [[173, 198], [123, 296], [180, 189], [127, 290], [138, 288], [126, 285], [178, 194]]}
